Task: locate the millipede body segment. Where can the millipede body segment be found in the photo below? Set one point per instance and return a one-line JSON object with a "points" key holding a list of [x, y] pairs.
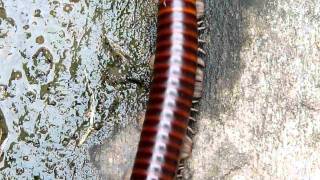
{"points": [[171, 92]]}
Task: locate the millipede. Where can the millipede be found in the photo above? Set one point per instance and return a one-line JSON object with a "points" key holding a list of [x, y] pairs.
{"points": [[176, 86]]}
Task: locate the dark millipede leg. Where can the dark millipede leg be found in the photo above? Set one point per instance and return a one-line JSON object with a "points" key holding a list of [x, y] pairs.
{"points": [[187, 144], [200, 22], [201, 62], [202, 51], [187, 148], [192, 119], [199, 75], [151, 61], [201, 41]]}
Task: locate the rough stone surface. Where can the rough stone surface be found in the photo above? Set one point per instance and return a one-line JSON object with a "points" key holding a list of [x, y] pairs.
{"points": [[114, 158], [260, 113]]}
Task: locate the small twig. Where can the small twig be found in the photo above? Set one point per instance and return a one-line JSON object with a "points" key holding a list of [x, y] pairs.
{"points": [[91, 114]]}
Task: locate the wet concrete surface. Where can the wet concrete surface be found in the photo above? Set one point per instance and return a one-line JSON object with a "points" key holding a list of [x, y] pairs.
{"points": [[72, 74]]}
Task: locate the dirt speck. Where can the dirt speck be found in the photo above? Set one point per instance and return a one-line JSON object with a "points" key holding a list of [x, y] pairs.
{"points": [[40, 40]]}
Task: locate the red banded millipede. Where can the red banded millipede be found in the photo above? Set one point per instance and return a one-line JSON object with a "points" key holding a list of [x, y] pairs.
{"points": [[172, 91]]}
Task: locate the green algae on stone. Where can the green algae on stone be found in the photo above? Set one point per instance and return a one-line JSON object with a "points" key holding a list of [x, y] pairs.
{"points": [[15, 75], [3, 129], [67, 8], [39, 67], [3, 16]]}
